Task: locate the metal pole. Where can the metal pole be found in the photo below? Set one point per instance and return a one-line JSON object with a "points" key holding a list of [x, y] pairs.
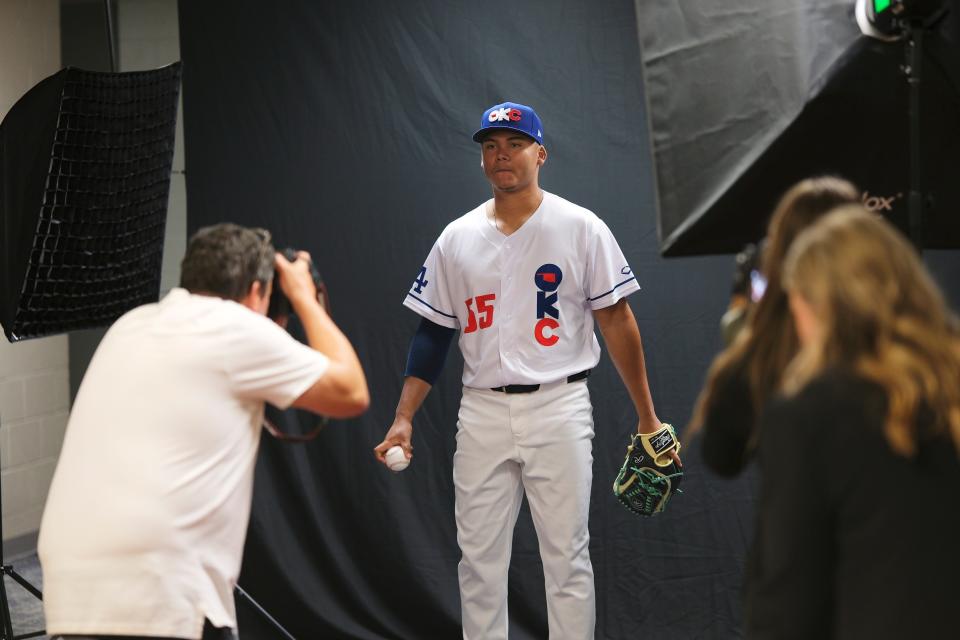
{"points": [[263, 612], [6, 632], [913, 70], [108, 9]]}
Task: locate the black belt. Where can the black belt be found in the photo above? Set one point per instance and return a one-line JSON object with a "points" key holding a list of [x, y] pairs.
{"points": [[210, 632], [530, 388]]}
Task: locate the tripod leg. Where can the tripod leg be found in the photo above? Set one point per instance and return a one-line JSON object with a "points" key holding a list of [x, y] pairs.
{"points": [[7, 631], [4, 606], [23, 583], [263, 612]]}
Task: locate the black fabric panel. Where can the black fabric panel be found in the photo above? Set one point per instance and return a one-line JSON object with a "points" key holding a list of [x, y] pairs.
{"points": [[345, 128]]}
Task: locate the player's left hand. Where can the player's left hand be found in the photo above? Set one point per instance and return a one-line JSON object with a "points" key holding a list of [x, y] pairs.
{"points": [[654, 427], [650, 474]]}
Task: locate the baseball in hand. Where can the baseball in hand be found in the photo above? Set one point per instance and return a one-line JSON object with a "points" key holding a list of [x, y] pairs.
{"points": [[397, 459]]}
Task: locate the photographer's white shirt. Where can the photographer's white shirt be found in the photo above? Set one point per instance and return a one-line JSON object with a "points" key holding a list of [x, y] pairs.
{"points": [[144, 526]]}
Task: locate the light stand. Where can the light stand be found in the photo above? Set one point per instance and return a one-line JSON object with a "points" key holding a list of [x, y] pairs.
{"points": [[6, 624], [912, 69], [891, 20]]}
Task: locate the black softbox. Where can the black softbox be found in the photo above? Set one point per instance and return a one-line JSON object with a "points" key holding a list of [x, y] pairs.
{"points": [[85, 161], [805, 94]]}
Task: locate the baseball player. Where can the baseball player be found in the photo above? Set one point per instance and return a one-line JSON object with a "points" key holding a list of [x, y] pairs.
{"points": [[522, 278]]}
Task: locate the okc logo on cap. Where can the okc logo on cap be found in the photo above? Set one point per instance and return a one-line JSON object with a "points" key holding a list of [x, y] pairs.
{"points": [[499, 115], [513, 116]]}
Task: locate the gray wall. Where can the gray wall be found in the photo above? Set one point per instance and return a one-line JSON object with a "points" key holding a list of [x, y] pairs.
{"points": [[34, 396], [39, 377]]}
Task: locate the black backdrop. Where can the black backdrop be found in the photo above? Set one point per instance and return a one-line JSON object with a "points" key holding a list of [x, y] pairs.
{"points": [[345, 128]]}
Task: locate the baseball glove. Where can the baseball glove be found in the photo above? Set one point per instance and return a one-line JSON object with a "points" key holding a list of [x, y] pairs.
{"points": [[649, 475]]}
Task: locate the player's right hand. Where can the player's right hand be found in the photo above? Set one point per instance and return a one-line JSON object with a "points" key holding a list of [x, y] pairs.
{"points": [[400, 433], [295, 278]]}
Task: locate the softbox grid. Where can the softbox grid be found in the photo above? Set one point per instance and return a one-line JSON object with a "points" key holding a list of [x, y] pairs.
{"points": [[98, 246]]}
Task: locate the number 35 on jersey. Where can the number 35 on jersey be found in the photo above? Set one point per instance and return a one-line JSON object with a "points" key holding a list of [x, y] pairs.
{"points": [[483, 318]]}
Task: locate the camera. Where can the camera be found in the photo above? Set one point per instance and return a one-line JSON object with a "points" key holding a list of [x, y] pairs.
{"points": [[293, 425], [747, 264], [748, 287], [279, 305]]}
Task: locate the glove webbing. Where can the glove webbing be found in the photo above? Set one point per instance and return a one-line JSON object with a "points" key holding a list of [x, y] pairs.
{"points": [[648, 481]]}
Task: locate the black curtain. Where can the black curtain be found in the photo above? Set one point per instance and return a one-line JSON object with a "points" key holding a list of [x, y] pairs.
{"points": [[345, 129]]}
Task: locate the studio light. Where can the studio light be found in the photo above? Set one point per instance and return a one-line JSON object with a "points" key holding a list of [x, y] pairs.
{"points": [[889, 20], [85, 163]]}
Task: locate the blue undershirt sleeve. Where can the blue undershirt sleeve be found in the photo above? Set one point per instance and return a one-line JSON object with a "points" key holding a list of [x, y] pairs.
{"points": [[428, 351]]}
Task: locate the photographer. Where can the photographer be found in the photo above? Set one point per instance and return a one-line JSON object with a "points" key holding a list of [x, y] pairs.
{"points": [[745, 376], [143, 531], [860, 474]]}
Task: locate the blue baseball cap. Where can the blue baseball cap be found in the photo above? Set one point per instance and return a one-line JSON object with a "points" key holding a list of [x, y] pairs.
{"points": [[510, 115]]}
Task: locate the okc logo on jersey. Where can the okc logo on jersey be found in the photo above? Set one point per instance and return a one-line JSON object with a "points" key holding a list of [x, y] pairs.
{"points": [[547, 279], [499, 115]]}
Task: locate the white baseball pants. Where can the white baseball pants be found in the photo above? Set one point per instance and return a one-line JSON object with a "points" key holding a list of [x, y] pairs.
{"points": [[539, 443]]}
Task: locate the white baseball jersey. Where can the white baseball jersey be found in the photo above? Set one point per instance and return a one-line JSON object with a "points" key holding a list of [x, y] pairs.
{"points": [[523, 302]]}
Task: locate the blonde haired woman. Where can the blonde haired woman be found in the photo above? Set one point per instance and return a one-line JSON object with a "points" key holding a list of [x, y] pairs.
{"points": [[747, 374], [859, 514]]}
